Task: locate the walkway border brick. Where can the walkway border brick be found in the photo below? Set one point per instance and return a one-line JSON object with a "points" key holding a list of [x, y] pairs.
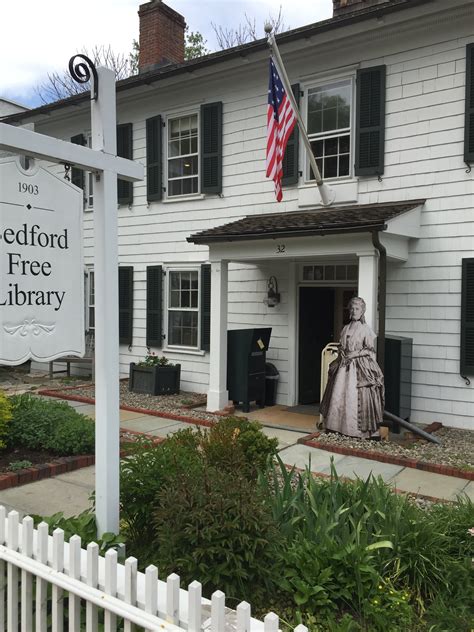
{"points": [[446, 470], [61, 465]]}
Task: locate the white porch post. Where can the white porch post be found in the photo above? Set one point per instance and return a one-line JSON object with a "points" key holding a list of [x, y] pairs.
{"points": [[368, 282], [107, 421], [218, 396]]}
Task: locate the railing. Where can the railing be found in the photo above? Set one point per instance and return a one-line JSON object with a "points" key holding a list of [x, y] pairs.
{"points": [[49, 584]]}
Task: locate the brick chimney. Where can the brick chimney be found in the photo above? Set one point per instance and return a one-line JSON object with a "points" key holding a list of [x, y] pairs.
{"points": [[341, 7], [161, 35]]}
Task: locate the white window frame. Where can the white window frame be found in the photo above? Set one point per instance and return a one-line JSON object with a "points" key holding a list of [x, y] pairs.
{"points": [[170, 117], [321, 83], [168, 308]]}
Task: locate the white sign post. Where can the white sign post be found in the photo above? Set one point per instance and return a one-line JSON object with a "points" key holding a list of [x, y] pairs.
{"points": [[102, 160]]}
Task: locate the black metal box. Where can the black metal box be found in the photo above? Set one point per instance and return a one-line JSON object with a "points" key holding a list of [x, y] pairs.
{"points": [[246, 354], [398, 377]]}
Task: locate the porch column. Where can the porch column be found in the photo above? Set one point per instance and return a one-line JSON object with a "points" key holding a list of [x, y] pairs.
{"points": [[217, 395], [368, 275]]}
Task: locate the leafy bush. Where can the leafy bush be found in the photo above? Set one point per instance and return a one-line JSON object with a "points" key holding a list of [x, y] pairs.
{"points": [[40, 424], [222, 533], [5, 418], [236, 433], [83, 525], [142, 474], [232, 445]]}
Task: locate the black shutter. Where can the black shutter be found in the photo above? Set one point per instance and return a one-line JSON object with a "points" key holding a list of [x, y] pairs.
{"points": [[124, 150], [205, 306], [467, 317], [154, 185], [370, 126], [469, 122], [211, 148], [125, 305], [154, 291], [77, 175], [290, 159]]}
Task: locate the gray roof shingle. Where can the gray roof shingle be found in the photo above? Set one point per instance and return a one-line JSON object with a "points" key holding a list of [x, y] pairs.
{"points": [[343, 219]]}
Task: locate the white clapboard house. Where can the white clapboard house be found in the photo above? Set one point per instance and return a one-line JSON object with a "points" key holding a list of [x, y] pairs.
{"points": [[387, 92]]}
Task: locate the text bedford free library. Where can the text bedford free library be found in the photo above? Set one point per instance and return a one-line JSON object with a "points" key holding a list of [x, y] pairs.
{"points": [[19, 265]]}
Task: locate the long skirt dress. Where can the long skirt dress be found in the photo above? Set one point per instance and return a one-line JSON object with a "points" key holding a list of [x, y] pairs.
{"points": [[353, 401]]}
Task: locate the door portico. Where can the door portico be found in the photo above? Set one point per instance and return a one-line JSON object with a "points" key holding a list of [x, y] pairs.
{"points": [[269, 244]]}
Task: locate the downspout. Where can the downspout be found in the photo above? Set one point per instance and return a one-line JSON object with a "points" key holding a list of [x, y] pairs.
{"points": [[382, 297]]}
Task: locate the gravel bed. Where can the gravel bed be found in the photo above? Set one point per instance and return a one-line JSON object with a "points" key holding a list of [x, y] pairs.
{"points": [[456, 449], [175, 404]]}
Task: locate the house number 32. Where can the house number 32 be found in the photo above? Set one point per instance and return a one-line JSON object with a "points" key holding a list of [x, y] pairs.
{"points": [[281, 248]]}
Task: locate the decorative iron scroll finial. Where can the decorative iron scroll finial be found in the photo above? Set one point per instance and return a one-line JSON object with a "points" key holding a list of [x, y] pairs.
{"points": [[81, 72]]}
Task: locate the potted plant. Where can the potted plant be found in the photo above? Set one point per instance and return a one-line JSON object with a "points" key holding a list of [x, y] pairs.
{"points": [[155, 375]]}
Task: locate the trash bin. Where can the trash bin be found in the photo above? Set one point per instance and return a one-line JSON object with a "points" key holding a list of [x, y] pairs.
{"points": [[271, 383]]}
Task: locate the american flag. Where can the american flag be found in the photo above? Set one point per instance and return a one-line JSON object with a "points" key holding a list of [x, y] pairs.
{"points": [[281, 119]]}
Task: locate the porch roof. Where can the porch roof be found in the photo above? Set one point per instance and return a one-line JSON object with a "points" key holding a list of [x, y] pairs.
{"points": [[344, 219]]}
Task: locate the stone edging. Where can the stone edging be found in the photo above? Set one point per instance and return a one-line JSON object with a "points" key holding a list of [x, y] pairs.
{"points": [[61, 465], [446, 470]]}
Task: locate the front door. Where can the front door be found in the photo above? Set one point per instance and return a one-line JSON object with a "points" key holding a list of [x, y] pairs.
{"points": [[316, 325]]}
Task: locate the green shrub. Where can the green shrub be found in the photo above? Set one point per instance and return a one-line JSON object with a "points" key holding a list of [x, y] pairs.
{"points": [[40, 424], [5, 418], [213, 525], [73, 436], [142, 474], [235, 433], [233, 444]]}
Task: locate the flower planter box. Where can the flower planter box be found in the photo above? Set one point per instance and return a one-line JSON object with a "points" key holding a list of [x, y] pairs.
{"points": [[154, 380]]}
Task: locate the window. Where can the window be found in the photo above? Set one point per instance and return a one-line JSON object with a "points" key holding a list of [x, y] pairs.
{"points": [[90, 320], [183, 308], [329, 128], [183, 155]]}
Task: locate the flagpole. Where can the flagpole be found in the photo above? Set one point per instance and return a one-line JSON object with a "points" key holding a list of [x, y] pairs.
{"points": [[327, 195]]}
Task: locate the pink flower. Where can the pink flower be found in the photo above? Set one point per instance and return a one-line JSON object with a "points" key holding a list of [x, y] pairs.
{"points": [[471, 531]]}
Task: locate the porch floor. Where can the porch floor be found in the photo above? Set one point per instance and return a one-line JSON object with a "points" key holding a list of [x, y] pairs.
{"points": [[279, 417]]}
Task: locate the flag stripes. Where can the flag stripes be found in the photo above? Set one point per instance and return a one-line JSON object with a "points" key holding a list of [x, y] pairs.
{"points": [[281, 119]]}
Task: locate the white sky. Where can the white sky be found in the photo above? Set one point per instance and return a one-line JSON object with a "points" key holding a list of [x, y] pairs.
{"points": [[40, 37]]}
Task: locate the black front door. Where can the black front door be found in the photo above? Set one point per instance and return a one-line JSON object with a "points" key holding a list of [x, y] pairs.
{"points": [[316, 323]]}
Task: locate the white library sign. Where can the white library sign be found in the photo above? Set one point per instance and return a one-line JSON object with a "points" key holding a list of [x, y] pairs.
{"points": [[41, 267]]}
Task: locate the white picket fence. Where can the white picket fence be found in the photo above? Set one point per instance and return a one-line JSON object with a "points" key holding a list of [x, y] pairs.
{"points": [[36, 567]]}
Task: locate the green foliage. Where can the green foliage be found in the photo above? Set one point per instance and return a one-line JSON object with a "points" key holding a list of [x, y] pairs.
{"points": [[232, 434], [83, 525], [195, 45], [359, 548], [19, 465], [41, 424], [74, 436], [151, 359], [5, 418], [142, 474], [222, 533]]}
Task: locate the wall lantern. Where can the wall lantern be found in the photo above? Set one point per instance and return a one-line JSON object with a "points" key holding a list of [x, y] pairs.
{"points": [[273, 296]]}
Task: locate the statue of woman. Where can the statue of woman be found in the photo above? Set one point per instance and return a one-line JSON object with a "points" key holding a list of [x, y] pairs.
{"points": [[353, 401]]}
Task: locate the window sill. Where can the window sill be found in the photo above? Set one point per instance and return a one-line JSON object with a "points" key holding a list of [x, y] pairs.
{"points": [[183, 198], [195, 352]]}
